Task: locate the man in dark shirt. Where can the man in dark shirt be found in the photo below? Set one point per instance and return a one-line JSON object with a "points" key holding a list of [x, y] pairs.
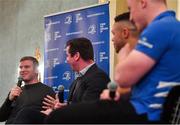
{"points": [[28, 96], [92, 80]]}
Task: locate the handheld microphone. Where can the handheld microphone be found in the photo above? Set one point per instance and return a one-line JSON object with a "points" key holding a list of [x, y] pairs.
{"points": [[20, 79], [19, 83], [61, 93], [112, 88]]}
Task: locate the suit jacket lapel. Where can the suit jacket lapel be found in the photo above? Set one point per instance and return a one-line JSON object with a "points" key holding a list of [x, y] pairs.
{"points": [[90, 70], [85, 76], [71, 90]]}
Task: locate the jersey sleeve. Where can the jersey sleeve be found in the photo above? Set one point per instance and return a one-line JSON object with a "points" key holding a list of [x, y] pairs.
{"points": [[153, 41]]}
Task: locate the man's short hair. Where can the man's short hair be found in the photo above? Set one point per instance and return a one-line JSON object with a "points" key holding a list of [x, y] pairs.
{"points": [[122, 17], [83, 46], [125, 17], [34, 60]]}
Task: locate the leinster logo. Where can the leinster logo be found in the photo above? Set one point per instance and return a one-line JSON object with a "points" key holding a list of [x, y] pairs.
{"points": [[68, 19], [92, 29], [143, 41], [67, 75]]}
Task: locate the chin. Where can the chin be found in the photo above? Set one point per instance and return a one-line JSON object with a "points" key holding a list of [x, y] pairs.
{"points": [[26, 80]]}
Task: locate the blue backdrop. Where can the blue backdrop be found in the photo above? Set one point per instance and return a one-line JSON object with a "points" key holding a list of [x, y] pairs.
{"points": [[92, 23]]}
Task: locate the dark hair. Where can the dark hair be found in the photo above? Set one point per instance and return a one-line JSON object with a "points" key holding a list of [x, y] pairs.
{"points": [[81, 45], [122, 17], [125, 17], [34, 60]]}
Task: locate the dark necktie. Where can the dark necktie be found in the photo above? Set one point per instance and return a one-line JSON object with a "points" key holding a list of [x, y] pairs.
{"points": [[77, 84]]}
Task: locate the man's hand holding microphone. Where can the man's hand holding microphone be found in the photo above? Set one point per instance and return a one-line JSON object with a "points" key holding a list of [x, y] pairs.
{"points": [[16, 91], [111, 93]]}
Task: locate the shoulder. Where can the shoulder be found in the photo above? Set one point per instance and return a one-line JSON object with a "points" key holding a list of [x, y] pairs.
{"points": [[96, 77], [161, 28], [46, 87], [95, 71]]}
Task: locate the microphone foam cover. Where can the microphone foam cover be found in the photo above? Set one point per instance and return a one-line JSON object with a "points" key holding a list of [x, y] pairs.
{"points": [[61, 88], [112, 86], [20, 78]]}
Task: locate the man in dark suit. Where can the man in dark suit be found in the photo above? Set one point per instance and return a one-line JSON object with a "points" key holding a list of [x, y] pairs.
{"points": [[90, 85], [90, 80]]}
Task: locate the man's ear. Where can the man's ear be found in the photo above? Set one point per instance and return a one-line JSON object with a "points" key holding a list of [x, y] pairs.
{"points": [[143, 3], [125, 33], [77, 56]]}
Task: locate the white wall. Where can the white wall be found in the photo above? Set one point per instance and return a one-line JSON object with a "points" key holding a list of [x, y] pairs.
{"points": [[178, 9]]}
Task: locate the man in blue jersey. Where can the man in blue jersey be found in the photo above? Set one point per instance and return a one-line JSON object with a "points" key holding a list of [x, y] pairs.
{"points": [[155, 59], [151, 69]]}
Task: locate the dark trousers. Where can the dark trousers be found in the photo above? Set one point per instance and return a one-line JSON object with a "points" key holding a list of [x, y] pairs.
{"points": [[97, 112]]}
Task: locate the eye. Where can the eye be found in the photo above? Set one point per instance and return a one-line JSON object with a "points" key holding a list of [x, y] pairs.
{"points": [[26, 67]]}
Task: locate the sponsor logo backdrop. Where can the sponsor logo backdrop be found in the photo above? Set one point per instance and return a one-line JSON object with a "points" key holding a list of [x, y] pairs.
{"points": [[90, 22]]}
